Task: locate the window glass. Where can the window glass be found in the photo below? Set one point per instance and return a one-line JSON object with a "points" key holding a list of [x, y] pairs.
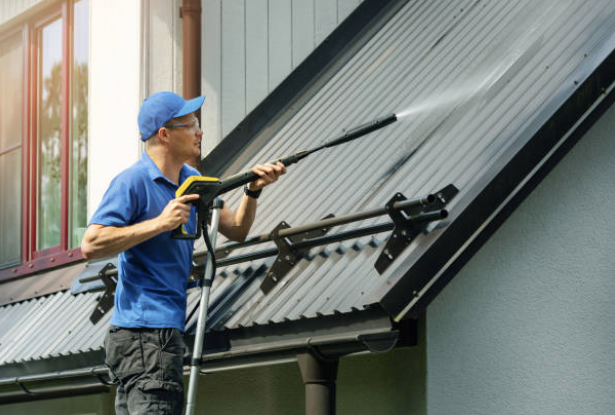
{"points": [[79, 123], [11, 105], [49, 128]]}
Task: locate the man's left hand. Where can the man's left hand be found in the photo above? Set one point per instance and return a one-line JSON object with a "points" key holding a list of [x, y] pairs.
{"points": [[267, 173]]}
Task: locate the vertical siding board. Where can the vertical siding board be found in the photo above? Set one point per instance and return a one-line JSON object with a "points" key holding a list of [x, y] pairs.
{"points": [[325, 12], [10, 9], [302, 29], [161, 45], [250, 46], [211, 82], [280, 34], [6, 10], [233, 64], [344, 8], [256, 49]]}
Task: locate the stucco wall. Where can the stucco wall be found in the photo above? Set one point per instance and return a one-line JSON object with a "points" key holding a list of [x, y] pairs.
{"points": [[528, 326], [79, 405]]}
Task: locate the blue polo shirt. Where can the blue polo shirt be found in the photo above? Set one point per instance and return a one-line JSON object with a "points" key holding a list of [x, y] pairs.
{"points": [[152, 276]]}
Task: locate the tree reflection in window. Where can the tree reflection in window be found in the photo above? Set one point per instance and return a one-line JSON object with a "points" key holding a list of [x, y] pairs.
{"points": [[50, 122], [79, 124]]}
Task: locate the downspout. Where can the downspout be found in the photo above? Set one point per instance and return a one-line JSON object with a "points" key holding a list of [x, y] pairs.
{"points": [[319, 376], [190, 13]]}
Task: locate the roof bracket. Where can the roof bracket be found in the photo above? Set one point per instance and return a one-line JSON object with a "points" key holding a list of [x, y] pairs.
{"points": [[409, 223], [288, 255], [106, 301]]}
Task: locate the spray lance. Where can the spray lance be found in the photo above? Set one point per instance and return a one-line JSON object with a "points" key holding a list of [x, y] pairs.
{"points": [[210, 187]]}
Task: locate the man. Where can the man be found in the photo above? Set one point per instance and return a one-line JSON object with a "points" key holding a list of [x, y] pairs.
{"points": [[144, 346]]}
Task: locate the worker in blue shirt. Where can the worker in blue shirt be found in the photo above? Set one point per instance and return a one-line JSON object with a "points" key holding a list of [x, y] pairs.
{"points": [[144, 346]]}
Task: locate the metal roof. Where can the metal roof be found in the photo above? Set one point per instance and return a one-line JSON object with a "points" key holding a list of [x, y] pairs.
{"points": [[477, 78], [471, 75]]}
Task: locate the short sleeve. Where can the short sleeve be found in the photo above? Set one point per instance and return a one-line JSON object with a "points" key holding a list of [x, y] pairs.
{"points": [[119, 205]]}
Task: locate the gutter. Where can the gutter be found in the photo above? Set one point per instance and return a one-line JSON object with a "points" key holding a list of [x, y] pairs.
{"points": [[67, 383], [95, 380], [331, 347]]}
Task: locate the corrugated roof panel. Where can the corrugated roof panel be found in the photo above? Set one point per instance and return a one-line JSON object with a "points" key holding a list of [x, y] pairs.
{"points": [[52, 326], [77, 331], [20, 333]]}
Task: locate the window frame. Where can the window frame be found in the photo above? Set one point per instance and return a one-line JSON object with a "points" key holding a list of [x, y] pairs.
{"points": [[32, 259], [14, 31]]}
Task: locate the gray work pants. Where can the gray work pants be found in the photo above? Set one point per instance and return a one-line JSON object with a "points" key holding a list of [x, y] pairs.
{"points": [[147, 367]]}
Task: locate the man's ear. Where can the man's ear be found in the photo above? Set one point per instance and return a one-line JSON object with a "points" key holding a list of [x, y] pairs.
{"points": [[163, 135]]}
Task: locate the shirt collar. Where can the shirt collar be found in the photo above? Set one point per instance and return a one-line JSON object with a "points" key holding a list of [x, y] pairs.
{"points": [[155, 174]]}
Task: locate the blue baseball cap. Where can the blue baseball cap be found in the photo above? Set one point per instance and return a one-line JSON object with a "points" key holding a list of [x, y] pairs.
{"points": [[159, 108]]}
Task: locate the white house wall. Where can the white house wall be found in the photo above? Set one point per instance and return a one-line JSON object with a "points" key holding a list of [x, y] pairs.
{"points": [[115, 97]]}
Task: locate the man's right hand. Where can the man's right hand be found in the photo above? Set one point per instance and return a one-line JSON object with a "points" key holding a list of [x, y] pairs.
{"points": [[176, 212]]}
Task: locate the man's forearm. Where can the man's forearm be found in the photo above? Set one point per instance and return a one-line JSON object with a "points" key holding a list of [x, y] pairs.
{"points": [[104, 241], [236, 225]]}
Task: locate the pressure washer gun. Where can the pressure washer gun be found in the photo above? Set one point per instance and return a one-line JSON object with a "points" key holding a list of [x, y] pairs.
{"points": [[210, 187]]}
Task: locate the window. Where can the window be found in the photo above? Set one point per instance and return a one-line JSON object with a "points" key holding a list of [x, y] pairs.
{"points": [[11, 133], [43, 139]]}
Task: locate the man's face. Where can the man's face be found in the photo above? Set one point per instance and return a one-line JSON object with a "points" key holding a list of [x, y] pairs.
{"points": [[185, 137]]}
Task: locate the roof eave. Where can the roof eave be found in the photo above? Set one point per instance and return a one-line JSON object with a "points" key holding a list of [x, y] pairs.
{"points": [[331, 337]]}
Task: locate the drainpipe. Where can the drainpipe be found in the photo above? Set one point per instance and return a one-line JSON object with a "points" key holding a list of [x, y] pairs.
{"points": [[190, 13], [319, 376]]}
